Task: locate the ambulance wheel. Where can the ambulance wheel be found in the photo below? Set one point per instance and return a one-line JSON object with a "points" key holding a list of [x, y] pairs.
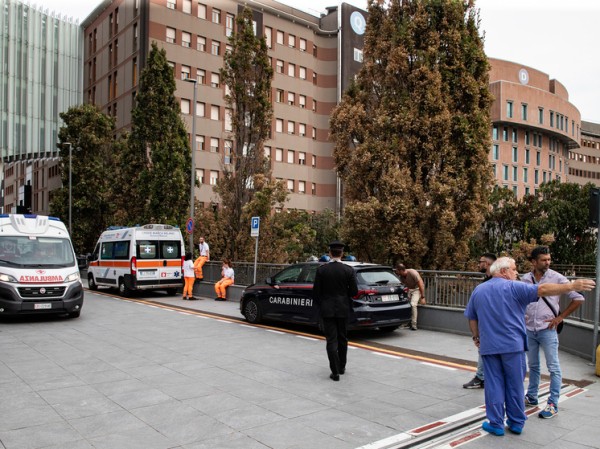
{"points": [[252, 311], [92, 283], [171, 291], [123, 289]]}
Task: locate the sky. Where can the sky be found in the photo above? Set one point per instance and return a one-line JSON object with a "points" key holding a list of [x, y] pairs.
{"points": [[557, 37]]}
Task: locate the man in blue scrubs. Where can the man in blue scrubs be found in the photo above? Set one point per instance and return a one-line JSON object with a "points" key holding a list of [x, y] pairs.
{"points": [[496, 313]]}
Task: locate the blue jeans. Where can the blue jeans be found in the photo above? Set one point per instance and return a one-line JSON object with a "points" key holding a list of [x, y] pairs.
{"points": [[479, 372], [547, 339]]}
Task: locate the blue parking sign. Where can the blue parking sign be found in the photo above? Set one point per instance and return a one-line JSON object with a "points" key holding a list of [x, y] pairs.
{"points": [[254, 226]]}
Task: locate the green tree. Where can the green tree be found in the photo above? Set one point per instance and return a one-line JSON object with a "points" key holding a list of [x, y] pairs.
{"points": [[412, 134], [89, 132], [155, 167], [248, 74]]}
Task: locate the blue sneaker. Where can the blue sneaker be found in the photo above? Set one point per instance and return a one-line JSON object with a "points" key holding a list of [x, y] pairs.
{"points": [[514, 428], [493, 430], [550, 411], [529, 401]]}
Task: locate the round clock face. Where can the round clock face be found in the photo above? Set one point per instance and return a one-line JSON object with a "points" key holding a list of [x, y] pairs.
{"points": [[523, 76], [358, 23]]}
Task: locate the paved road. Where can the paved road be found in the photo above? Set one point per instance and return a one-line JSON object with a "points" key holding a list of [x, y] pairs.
{"points": [[164, 373]]}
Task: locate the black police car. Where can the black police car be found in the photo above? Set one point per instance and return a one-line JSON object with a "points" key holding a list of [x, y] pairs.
{"points": [[382, 300]]}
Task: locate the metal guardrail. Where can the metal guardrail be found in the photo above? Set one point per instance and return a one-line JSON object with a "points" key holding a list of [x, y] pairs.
{"points": [[442, 288]]}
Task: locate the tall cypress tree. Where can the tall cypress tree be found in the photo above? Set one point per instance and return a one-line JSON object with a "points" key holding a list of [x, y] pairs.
{"points": [[248, 74], [154, 168], [412, 134], [89, 132]]}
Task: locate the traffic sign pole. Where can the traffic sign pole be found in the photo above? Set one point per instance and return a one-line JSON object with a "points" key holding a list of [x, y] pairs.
{"points": [[254, 231]]}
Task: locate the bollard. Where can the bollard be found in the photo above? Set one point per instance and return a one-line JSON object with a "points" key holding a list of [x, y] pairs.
{"points": [[598, 361]]}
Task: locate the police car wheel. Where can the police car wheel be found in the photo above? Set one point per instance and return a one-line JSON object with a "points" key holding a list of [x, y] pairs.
{"points": [[92, 283], [252, 311]]}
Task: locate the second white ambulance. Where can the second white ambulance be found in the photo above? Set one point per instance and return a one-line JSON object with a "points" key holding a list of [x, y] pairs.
{"points": [[148, 257]]}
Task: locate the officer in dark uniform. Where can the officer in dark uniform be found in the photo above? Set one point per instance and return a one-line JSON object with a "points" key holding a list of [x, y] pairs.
{"points": [[335, 285]]}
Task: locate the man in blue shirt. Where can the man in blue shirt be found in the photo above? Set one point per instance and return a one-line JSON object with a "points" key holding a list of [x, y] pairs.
{"points": [[496, 313]]}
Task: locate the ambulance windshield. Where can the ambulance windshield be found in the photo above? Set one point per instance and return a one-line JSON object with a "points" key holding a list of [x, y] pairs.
{"points": [[35, 252]]}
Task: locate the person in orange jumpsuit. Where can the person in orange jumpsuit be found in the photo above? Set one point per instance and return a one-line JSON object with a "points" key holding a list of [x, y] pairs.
{"points": [[188, 277], [227, 279], [202, 259]]}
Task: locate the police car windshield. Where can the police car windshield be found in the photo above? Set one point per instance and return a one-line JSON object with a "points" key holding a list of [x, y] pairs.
{"points": [[36, 252]]}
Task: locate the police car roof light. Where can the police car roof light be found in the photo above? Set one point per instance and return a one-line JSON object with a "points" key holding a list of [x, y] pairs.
{"points": [[115, 228]]}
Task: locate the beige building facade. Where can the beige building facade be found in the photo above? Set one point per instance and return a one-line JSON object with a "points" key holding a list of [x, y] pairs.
{"points": [[534, 127], [584, 162], [305, 53]]}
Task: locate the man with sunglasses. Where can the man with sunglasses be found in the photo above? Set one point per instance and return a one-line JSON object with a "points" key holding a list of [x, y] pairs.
{"points": [[542, 319]]}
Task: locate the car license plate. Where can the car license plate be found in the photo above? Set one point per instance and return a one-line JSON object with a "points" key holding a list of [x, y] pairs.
{"points": [[387, 298], [147, 273], [43, 305]]}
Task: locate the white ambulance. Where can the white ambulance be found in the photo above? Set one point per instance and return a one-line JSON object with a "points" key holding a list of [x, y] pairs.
{"points": [[148, 257], [38, 268]]}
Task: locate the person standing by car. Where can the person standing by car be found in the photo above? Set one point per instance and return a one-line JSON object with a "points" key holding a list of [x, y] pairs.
{"points": [[416, 290], [485, 262], [541, 320], [202, 258], [227, 279], [334, 287]]}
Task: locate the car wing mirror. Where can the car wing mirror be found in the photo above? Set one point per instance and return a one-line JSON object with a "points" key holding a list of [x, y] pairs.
{"points": [[269, 281]]}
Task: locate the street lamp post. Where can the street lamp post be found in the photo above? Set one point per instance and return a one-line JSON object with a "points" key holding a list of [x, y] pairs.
{"points": [[70, 182], [193, 174]]}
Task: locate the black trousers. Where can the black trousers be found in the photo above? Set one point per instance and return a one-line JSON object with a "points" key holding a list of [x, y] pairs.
{"points": [[335, 330]]}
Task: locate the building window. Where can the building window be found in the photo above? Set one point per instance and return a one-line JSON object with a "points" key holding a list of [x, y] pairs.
{"points": [[269, 37], [291, 156], [216, 15], [201, 43], [495, 132], [214, 176], [525, 174], [290, 185], [551, 119], [302, 129], [280, 37], [358, 55], [279, 125], [302, 101], [228, 120], [187, 6], [302, 44], [313, 189], [515, 135], [515, 190], [495, 152], [524, 111], [301, 187], [229, 22], [170, 35], [185, 72], [291, 69], [302, 73], [279, 66], [215, 80], [302, 158], [135, 36], [201, 11], [214, 145], [200, 109], [171, 4], [200, 143], [536, 177], [526, 137], [515, 173], [505, 134], [505, 172], [515, 154], [227, 151], [291, 127], [200, 76], [215, 48], [527, 155], [291, 98], [185, 106], [509, 109], [538, 158], [279, 154], [279, 96], [214, 112], [291, 41], [186, 39], [541, 116]]}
